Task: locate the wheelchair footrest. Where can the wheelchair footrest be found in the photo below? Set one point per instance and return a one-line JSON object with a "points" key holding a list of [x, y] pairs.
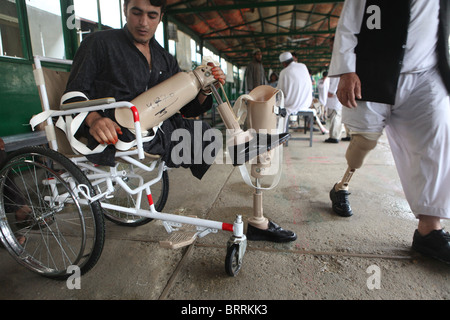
{"points": [[185, 236]]}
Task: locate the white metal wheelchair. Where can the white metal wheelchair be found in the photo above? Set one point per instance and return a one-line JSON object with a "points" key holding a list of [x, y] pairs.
{"points": [[68, 196]]}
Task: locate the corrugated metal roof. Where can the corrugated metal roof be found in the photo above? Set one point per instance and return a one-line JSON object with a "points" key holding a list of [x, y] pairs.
{"points": [[234, 28]]}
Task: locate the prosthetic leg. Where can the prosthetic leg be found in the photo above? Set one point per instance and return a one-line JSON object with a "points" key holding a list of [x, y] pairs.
{"points": [[262, 111], [360, 145], [261, 117], [165, 99]]}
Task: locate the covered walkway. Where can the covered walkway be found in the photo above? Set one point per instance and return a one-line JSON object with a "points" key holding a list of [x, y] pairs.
{"points": [[333, 257]]}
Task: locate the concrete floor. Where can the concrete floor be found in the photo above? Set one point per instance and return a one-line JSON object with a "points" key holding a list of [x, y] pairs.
{"points": [[331, 259]]}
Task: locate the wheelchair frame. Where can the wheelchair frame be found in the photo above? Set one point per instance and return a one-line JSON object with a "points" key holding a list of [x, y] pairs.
{"points": [[76, 183]]}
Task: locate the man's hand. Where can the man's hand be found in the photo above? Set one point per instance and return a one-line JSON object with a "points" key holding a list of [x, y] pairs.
{"points": [[218, 73], [103, 129], [349, 89]]}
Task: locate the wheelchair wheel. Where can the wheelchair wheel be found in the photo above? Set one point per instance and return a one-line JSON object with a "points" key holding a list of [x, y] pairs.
{"points": [[134, 177], [44, 224]]}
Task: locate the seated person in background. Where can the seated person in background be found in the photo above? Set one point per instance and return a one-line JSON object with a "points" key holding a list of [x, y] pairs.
{"points": [[295, 82]]}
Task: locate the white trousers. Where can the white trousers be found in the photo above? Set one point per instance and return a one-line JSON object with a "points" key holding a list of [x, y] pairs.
{"points": [[418, 130], [335, 123]]}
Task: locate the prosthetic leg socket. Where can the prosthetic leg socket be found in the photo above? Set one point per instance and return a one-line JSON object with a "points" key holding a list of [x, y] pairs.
{"points": [[360, 145]]}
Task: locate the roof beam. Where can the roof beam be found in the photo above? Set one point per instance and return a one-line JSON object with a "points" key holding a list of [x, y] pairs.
{"points": [[245, 5], [233, 28], [284, 48], [268, 35]]}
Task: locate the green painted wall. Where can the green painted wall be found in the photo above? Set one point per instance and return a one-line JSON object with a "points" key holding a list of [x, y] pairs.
{"points": [[19, 97]]}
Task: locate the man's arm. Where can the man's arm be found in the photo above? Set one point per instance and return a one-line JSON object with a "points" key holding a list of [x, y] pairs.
{"points": [[84, 70], [343, 59], [343, 62]]}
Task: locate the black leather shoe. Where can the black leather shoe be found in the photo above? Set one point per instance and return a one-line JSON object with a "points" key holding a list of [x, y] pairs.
{"points": [[436, 244], [340, 203], [274, 233], [331, 140], [244, 152]]}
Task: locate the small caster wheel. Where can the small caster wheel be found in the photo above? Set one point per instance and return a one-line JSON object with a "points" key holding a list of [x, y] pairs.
{"points": [[235, 257], [232, 263]]}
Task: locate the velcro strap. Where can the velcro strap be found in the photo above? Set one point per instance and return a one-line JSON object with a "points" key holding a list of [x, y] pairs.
{"points": [[73, 94]]}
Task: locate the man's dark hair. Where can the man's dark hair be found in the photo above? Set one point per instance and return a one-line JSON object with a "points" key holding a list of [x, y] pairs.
{"points": [[156, 3]]}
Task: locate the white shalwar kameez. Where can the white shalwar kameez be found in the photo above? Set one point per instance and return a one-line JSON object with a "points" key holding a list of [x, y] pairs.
{"points": [[334, 108], [296, 84], [418, 124]]}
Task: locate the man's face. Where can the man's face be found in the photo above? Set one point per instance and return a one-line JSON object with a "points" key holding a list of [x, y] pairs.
{"points": [[258, 56], [142, 20]]}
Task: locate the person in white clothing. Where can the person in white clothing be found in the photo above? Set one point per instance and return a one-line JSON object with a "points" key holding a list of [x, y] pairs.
{"points": [[322, 90], [334, 111], [295, 82], [393, 61]]}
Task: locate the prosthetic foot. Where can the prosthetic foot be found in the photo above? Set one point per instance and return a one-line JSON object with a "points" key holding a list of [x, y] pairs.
{"points": [[260, 228], [340, 203], [360, 146]]}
